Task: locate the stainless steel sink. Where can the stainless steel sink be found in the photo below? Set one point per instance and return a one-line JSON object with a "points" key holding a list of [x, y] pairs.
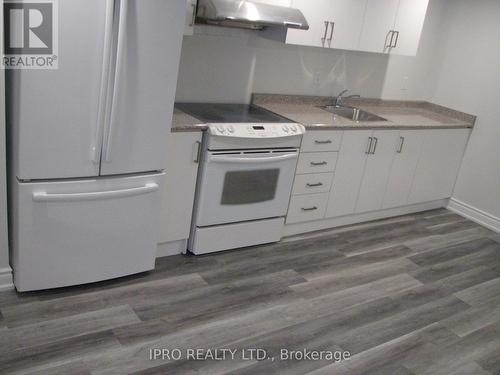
{"points": [[352, 113]]}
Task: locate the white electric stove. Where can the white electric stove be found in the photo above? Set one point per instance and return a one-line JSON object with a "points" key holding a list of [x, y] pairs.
{"points": [[245, 178]]}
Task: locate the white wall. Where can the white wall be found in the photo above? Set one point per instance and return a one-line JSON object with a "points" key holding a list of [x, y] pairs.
{"points": [[229, 67], [469, 79]]}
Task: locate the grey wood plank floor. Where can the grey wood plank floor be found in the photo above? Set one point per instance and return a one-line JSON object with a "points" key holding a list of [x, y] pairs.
{"points": [[416, 294]]}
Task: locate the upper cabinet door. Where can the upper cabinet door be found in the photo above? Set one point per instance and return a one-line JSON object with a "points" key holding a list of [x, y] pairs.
{"points": [[148, 54], [316, 14], [346, 22], [409, 23], [378, 25]]}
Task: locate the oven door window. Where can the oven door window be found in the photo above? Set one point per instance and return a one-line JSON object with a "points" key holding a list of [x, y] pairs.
{"points": [[245, 187]]}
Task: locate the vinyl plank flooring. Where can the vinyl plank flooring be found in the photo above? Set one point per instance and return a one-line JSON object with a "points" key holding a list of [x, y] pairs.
{"points": [[415, 294], [64, 328], [477, 294]]}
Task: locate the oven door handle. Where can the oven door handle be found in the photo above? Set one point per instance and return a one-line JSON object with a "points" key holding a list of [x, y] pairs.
{"points": [[242, 160]]}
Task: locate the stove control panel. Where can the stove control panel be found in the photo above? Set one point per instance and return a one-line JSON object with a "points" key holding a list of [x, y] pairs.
{"points": [[253, 130]]}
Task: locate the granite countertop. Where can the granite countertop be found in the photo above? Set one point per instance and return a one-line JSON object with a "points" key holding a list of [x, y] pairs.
{"points": [[304, 110]]}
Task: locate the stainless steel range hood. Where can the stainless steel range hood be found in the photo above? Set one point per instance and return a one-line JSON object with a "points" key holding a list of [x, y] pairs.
{"points": [[249, 14]]}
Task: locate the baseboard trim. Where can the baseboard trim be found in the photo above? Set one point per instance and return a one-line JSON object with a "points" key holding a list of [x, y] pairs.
{"points": [[472, 213], [6, 281], [311, 226], [167, 249]]}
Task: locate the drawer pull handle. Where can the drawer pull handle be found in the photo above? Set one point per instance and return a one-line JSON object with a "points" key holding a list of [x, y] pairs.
{"points": [[315, 185], [323, 142], [314, 164], [309, 208]]}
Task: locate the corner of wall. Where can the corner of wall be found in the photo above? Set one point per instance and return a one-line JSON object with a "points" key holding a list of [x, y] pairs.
{"points": [[6, 281]]}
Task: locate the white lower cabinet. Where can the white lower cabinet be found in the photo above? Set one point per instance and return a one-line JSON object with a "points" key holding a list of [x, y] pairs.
{"points": [[407, 151], [438, 164], [306, 208], [379, 169], [348, 173], [179, 186]]}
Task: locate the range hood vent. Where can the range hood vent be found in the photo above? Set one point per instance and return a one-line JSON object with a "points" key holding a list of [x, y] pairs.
{"points": [[249, 15]]}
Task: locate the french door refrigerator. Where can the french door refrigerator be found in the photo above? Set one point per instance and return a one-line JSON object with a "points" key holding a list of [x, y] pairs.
{"points": [[88, 143]]}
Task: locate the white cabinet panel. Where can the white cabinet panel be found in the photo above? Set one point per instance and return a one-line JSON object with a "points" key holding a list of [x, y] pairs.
{"points": [[379, 20], [377, 169], [409, 23], [407, 151], [348, 173], [316, 14], [347, 17], [306, 208], [179, 186], [312, 183], [319, 140], [439, 164], [317, 162]]}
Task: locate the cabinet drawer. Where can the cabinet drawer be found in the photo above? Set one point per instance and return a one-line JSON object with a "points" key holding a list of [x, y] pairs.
{"points": [[312, 183], [314, 141], [317, 162], [307, 207]]}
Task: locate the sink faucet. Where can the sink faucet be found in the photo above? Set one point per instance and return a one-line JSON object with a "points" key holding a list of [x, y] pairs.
{"points": [[340, 97]]}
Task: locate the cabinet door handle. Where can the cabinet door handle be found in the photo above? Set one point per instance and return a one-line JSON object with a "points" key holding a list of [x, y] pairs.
{"points": [[193, 18], [396, 40], [315, 185], [326, 32], [328, 141], [391, 34], [375, 145], [369, 146], [332, 27], [197, 152], [309, 208], [316, 164], [401, 143]]}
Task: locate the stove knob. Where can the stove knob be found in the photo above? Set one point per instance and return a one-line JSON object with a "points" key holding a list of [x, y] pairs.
{"points": [[286, 129], [220, 129], [294, 128], [230, 128]]}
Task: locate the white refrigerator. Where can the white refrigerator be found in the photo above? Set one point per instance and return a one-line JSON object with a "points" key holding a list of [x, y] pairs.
{"points": [[88, 143]]}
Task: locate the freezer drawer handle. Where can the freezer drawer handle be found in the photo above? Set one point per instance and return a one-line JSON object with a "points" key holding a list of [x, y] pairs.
{"points": [[315, 185], [270, 159], [94, 195]]}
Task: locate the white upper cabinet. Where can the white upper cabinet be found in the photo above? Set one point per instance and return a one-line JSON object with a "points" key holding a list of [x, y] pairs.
{"points": [[382, 26], [393, 26], [332, 23], [408, 26], [346, 22], [315, 12], [378, 27]]}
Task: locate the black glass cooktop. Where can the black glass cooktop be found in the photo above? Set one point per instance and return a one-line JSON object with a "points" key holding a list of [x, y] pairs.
{"points": [[229, 113]]}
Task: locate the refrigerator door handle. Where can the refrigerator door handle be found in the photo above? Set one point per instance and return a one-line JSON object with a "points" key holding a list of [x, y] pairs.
{"points": [[103, 104], [94, 195], [122, 27]]}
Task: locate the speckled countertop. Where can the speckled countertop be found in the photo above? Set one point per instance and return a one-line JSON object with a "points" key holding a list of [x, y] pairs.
{"points": [[304, 110]]}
